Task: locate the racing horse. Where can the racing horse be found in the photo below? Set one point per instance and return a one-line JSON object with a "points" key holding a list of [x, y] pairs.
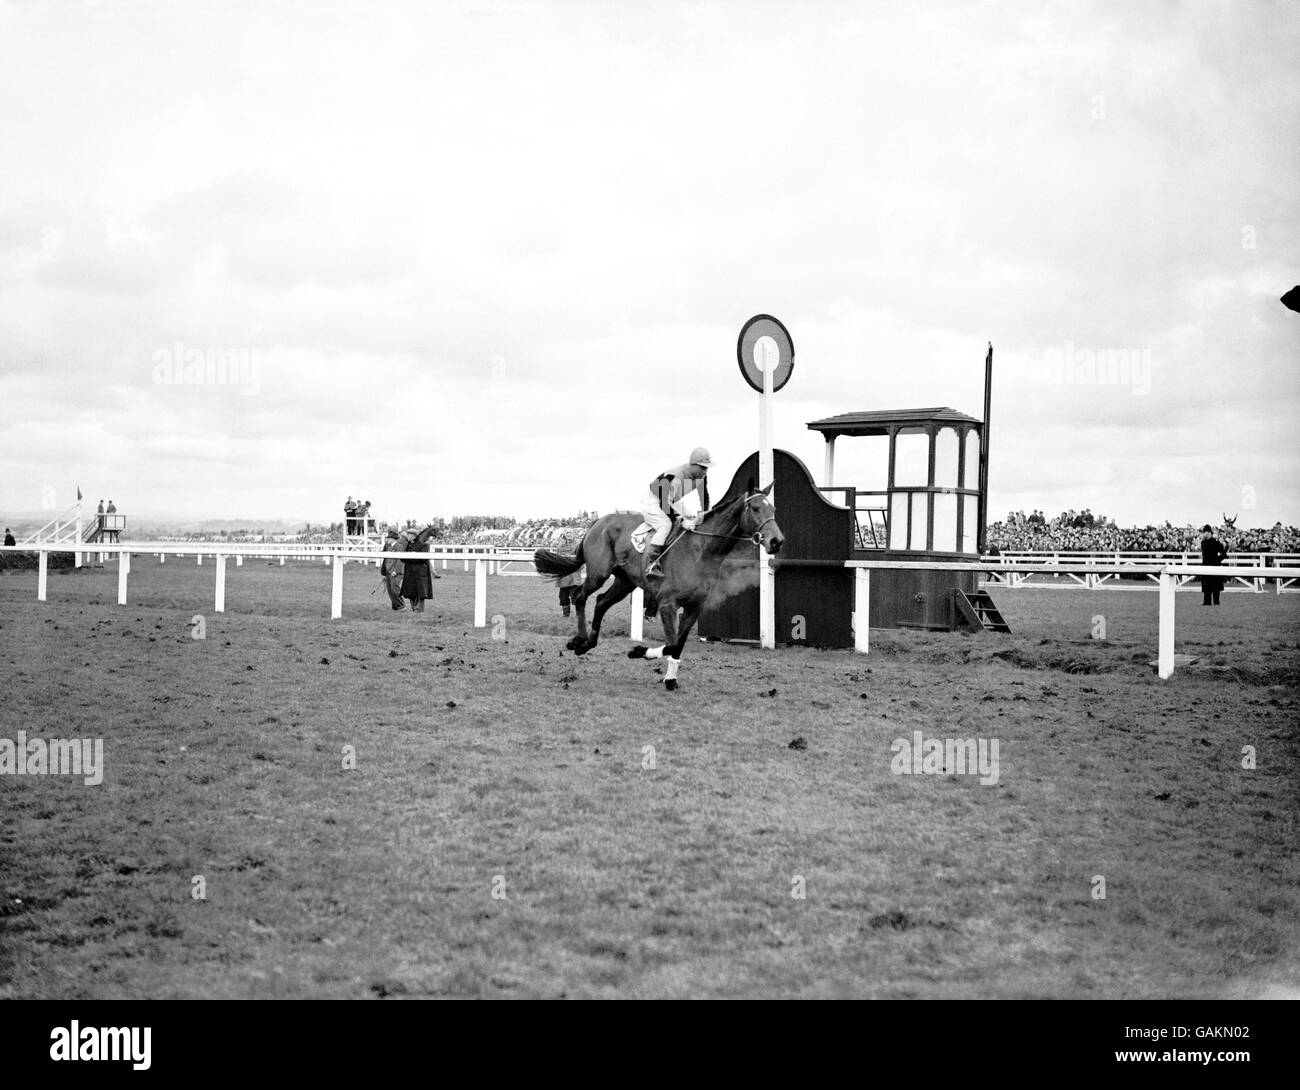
{"points": [[692, 569]]}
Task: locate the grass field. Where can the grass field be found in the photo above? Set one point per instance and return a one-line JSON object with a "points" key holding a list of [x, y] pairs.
{"points": [[507, 766]]}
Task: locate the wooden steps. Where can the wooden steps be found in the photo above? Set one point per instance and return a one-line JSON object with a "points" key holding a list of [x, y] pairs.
{"points": [[979, 613]]}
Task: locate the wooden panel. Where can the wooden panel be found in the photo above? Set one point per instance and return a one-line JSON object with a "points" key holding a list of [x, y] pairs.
{"points": [[917, 598], [814, 529]]}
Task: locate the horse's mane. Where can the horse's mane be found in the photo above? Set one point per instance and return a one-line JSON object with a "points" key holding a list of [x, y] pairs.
{"points": [[725, 504]]}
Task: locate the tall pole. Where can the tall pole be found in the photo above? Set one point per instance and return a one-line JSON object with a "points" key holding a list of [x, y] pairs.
{"points": [[983, 543], [766, 575]]}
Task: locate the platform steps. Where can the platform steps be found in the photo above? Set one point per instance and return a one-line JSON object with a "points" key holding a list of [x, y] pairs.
{"points": [[979, 613]]}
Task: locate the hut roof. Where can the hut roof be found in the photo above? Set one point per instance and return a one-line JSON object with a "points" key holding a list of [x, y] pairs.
{"points": [[880, 421]]}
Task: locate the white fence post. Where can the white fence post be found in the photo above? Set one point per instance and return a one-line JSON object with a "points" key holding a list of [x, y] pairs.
{"points": [[123, 570], [638, 614], [1165, 657], [480, 593], [219, 606], [42, 574], [336, 594], [861, 609]]}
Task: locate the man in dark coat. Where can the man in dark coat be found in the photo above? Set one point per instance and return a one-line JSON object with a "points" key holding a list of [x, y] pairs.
{"points": [[391, 570], [1212, 555], [417, 579]]}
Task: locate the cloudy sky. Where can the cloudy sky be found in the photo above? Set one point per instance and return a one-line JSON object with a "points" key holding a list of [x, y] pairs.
{"points": [[494, 257]]}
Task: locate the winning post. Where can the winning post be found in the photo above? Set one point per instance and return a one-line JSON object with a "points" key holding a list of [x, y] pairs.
{"points": [[765, 353]]}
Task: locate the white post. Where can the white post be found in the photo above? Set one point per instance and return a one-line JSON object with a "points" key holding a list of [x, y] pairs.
{"points": [[766, 575], [830, 460], [123, 570], [480, 593], [220, 605], [861, 609], [162, 558], [76, 557], [239, 561], [42, 574], [282, 562], [336, 595], [199, 557], [638, 614], [1165, 658]]}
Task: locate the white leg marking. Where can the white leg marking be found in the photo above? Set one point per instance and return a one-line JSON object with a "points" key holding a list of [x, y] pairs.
{"points": [[671, 673], [654, 652]]}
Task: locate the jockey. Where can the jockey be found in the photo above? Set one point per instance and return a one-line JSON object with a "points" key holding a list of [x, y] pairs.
{"points": [[667, 491]]}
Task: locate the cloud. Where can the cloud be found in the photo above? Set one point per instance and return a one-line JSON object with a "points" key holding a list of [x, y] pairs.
{"points": [[497, 259]]}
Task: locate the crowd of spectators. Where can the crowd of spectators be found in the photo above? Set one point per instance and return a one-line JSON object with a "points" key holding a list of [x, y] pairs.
{"points": [[1085, 532]]}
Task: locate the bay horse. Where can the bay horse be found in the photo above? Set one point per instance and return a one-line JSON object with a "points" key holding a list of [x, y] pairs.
{"points": [[691, 564]]}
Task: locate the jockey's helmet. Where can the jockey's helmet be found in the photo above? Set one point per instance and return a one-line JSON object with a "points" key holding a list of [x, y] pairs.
{"points": [[700, 457]]}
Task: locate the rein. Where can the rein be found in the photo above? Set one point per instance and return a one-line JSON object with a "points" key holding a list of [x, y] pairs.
{"points": [[756, 538]]}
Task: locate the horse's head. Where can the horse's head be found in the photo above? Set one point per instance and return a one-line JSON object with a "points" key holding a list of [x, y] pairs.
{"points": [[758, 520]]}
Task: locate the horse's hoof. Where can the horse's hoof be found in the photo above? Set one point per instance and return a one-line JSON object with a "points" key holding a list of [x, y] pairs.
{"points": [[575, 642], [583, 648], [636, 653], [671, 685]]}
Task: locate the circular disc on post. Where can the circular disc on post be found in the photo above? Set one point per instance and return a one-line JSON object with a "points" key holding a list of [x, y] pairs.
{"points": [[764, 325]]}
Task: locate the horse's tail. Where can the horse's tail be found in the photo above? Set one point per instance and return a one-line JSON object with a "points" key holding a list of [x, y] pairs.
{"points": [[557, 565]]}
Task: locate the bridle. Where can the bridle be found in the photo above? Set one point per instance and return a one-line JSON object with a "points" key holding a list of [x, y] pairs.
{"points": [[756, 538]]}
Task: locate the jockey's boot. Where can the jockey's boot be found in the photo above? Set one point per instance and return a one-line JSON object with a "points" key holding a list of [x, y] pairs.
{"points": [[652, 567]]}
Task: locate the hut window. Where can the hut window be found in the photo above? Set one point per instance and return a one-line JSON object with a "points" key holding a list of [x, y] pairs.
{"points": [[946, 446], [920, 520], [911, 459], [945, 521], [972, 460], [970, 528], [898, 520]]}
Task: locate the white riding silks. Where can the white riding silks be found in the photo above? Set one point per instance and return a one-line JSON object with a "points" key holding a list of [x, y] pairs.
{"points": [[689, 505]]}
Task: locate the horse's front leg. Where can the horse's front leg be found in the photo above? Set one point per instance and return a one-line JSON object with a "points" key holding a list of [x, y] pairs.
{"points": [[677, 642], [668, 618]]}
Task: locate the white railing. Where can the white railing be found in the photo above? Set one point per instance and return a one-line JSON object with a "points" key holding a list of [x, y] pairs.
{"points": [[487, 560], [1095, 570], [60, 530], [1170, 576]]}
